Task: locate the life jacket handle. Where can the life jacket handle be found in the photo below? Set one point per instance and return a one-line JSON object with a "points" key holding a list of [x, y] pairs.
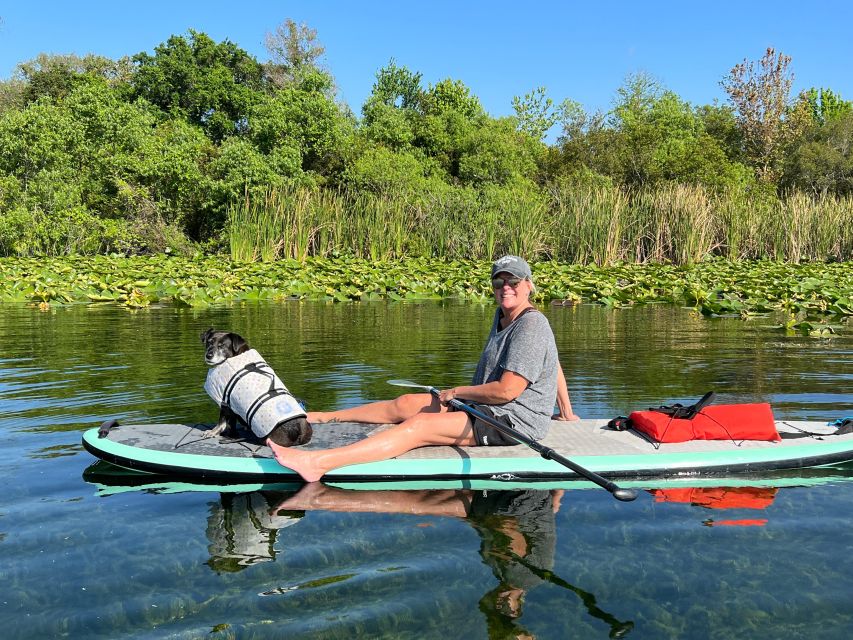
{"points": [[679, 411]]}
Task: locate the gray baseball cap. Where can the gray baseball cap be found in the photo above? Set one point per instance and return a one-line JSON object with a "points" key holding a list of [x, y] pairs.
{"points": [[513, 265]]}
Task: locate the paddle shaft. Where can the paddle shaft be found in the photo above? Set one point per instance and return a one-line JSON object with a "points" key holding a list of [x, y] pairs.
{"points": [[548, 453]]}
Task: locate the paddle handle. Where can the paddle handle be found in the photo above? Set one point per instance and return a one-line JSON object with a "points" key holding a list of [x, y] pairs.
{"points": [[625, 495]]}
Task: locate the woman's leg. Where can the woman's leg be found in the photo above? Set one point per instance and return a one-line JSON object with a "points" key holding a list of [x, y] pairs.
{"points": [[384, 412], [316, 495], [448, 428]]}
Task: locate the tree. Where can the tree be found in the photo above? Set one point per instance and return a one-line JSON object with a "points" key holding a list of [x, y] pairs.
{"points": [[451, 95], [495, 152], [94, 154], [721, 124], [428, 124], [825, 105], [447, 123], [55, 76], [822, 160], [586, 147], [389, 126], [300, 117], [393, 106], [294, 51], [651, 136], [760, 95], [382, 170], [632, 118], [213, 85], [535, 112], [12, 95], [395, 87]]}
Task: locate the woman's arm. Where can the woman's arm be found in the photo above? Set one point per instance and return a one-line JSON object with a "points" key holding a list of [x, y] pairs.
{"points": [[563, 403], [508, 388]]}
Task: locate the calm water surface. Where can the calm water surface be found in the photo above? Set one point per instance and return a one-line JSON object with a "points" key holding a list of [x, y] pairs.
{"points": [[83, 560]]}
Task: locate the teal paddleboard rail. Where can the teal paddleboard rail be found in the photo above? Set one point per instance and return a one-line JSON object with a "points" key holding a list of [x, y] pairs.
{"points": [[811, 453]]}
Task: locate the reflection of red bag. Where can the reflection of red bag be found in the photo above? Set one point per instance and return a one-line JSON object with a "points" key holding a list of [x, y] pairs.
{"points": [[719, 497], [714, 422], [760, 522]]}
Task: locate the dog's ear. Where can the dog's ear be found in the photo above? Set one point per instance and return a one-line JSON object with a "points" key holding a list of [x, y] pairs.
{"points": [[238, 344], [206, 335]]}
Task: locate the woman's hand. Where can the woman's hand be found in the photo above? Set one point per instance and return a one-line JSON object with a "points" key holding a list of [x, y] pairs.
{"points": [[508, 388], [446, 395]]}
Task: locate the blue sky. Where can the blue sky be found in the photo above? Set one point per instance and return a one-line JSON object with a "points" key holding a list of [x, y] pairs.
{"points": [[577, 50]]}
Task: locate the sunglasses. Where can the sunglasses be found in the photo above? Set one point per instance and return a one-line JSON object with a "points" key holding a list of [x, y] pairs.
{"points": [[498, 283]]}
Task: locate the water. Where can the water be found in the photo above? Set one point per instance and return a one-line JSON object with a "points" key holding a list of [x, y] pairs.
{"points": [[84, 563]]}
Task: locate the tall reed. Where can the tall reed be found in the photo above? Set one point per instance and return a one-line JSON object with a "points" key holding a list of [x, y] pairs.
{"points": [[814, 228], [444, 224], [578, 223], [590, 223], [679, 223], [512, 219], [380, 226], [275, 223]]}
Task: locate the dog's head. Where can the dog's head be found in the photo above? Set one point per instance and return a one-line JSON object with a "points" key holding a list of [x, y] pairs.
{"points": [[221, 345]]}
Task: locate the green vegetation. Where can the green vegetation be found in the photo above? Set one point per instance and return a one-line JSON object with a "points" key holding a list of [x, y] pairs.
{"points": [[600, 224], [816, 298], [198, 146]]}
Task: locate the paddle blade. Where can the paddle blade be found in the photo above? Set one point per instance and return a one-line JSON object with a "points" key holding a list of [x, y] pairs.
{"points": [[625, 495], [410, 384]]}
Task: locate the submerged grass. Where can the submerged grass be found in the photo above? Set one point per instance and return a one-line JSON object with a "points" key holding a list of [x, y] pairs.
{"points": [[817, 297], [678, 224]]}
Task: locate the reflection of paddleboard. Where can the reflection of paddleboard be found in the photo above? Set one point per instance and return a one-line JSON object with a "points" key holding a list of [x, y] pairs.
{"points": [[177, 450], [111, 480]]}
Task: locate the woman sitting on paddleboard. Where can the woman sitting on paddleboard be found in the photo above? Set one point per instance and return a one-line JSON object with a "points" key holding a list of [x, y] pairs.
{"points": [[518, 380]]}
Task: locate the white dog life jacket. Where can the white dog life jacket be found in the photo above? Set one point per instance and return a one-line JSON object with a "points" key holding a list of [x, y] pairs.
{"points": [[249, 387]]}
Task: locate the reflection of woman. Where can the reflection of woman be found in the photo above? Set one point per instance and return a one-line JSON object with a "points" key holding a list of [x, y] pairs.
{"points": [[518, 379], [518, 534], [517, 530]]}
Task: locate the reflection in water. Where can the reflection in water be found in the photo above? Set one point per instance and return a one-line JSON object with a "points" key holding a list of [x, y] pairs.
{"points": [[517, 530], [518, 537], [721, 498], [242, 530]]}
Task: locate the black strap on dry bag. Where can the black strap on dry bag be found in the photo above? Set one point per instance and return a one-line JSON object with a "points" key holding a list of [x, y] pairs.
{"points": [[675, 411], [679, 411], [620, 423]]}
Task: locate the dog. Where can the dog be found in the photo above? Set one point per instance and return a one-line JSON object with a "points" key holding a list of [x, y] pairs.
{"points": [[249, 392]]}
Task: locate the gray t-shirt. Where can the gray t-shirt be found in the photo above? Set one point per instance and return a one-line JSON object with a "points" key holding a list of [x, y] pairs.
{"points": [[525, 347]]}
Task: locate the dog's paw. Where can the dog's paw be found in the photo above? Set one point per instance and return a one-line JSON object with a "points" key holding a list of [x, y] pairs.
{"points": [[212, 433]]}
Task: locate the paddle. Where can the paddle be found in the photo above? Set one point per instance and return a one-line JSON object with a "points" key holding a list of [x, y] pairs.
{"points": [[625, 495]]}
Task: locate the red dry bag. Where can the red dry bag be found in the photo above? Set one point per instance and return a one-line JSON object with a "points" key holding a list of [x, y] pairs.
{"points": [[713, 422]]}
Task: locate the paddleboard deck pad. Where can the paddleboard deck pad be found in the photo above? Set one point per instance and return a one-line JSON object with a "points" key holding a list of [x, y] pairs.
{"points": [[182, 451]]}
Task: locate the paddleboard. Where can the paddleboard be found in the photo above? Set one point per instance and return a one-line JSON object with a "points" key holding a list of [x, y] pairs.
{"points": [[182, 451]]}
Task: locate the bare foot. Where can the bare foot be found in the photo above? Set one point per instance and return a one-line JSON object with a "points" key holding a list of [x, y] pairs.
{"points": [[308, 497], [302, 462]]}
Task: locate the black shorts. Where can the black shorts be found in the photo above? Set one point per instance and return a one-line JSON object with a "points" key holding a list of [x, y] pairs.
{"points": [[488, 436]]}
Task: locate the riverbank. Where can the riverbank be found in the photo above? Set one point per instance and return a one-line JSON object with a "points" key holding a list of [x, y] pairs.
{"points": [[818, 297]]}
